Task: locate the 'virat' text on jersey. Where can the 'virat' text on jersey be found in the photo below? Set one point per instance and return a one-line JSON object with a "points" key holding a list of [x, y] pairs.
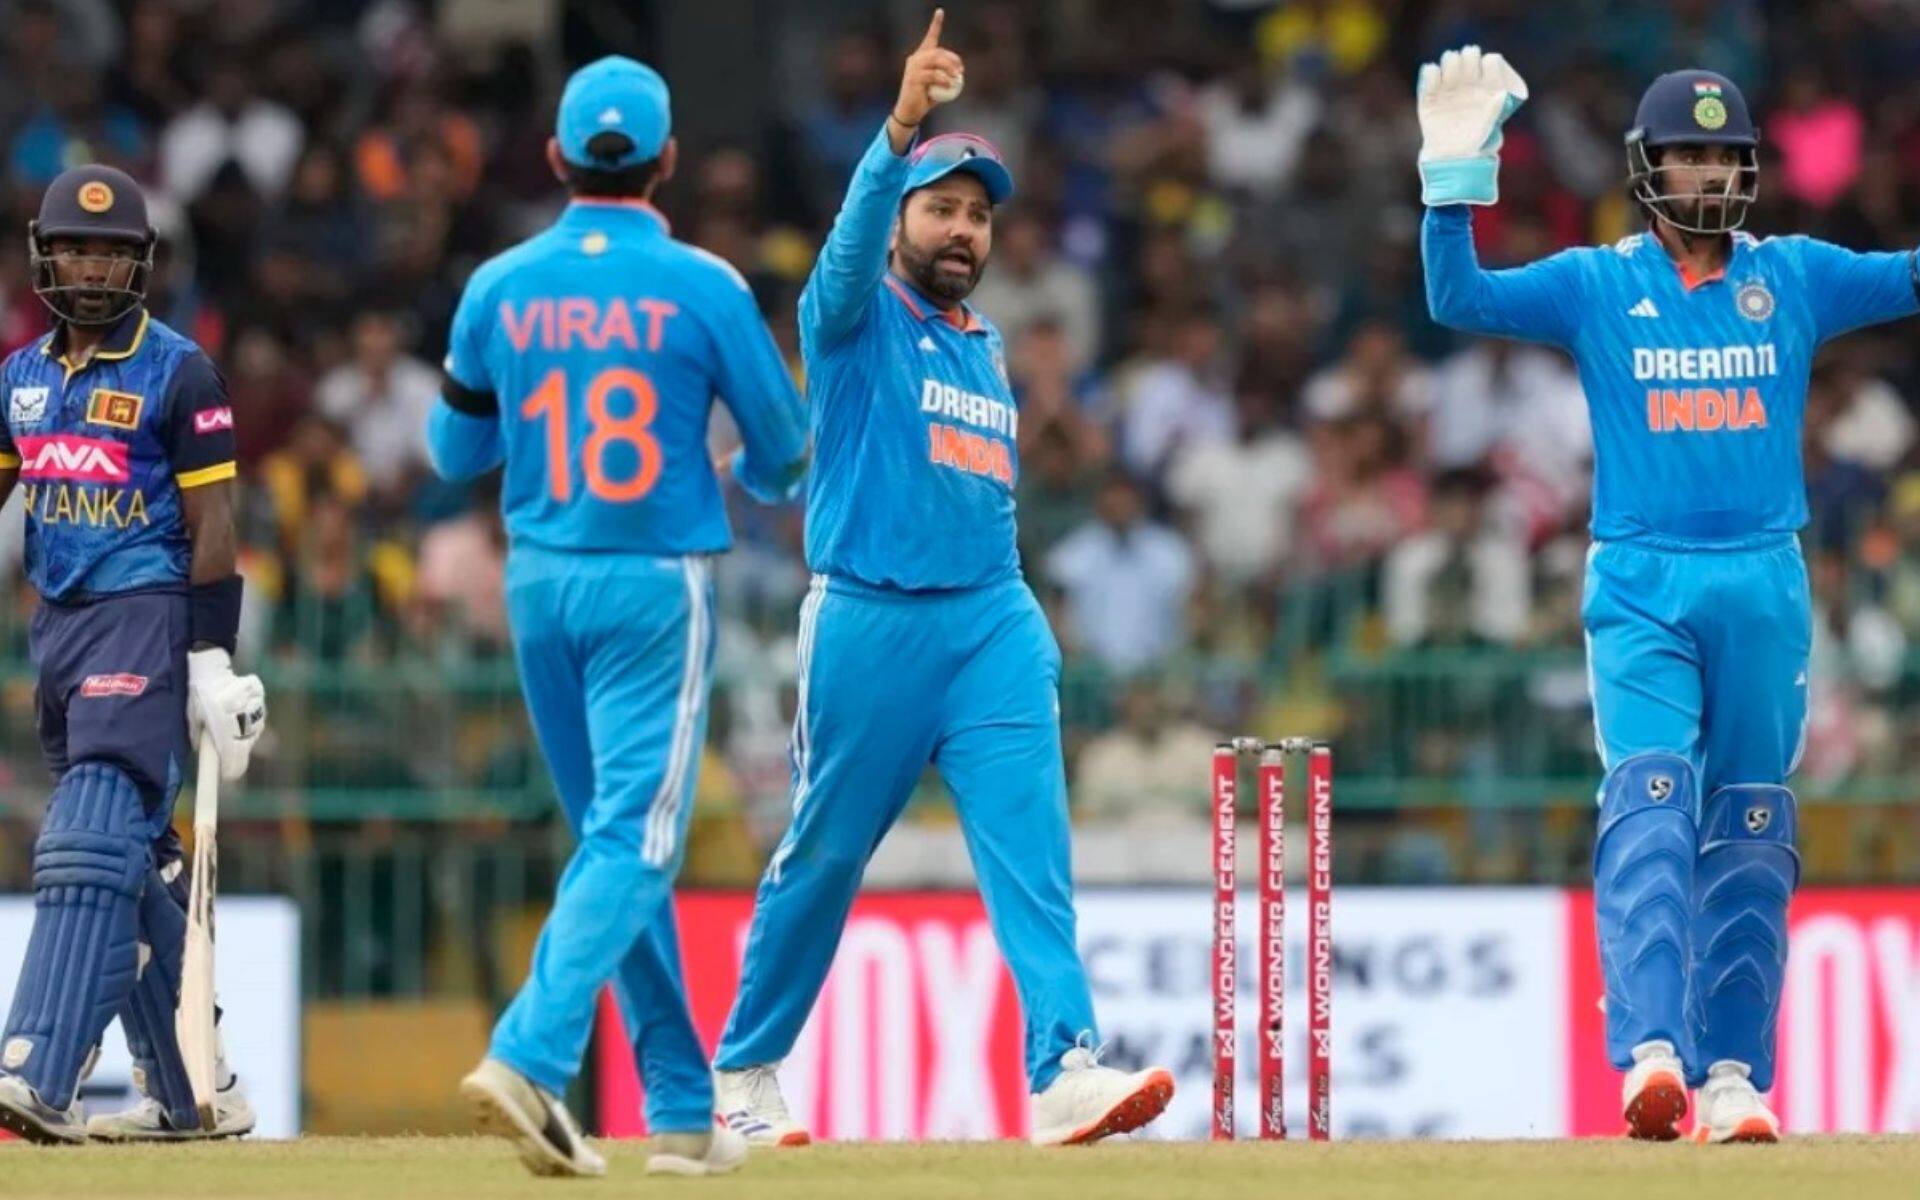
{"points": [[1696, 388], [105, 449]]}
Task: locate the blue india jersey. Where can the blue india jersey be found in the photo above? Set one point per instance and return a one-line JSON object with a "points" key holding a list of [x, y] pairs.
{"points": [[1696, 389], [587, 360], [105, 447], [914, 423]]}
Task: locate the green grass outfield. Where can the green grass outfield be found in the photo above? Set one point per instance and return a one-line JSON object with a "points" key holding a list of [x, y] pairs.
{"points": [[1850, 1168]]}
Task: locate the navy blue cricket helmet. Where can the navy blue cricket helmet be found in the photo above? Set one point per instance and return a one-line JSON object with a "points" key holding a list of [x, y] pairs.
{"points": [[92, 203], [1694, 108]]}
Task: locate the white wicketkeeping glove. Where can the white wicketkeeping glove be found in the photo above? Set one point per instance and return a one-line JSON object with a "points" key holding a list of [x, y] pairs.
{"points": [[1463, 100], [231, 708]]}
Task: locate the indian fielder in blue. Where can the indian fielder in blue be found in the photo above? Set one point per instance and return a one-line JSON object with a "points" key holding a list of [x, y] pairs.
{"points": [[119, 431], [1694, 342], [919, 640], [586, 360]]}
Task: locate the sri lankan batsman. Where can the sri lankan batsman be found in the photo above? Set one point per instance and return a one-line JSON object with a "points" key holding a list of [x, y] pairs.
{"points": [[120, 431], [1694, 341]]}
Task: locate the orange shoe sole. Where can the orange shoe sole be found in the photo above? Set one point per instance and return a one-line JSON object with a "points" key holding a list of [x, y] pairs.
{"points": [[1146, 1103], [1754, 1131], [798, 1137], [1654, 1114]]}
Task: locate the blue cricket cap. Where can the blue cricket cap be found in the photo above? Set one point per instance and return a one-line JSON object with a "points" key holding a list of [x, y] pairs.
{"points": [[937, 158], [614, 94]]}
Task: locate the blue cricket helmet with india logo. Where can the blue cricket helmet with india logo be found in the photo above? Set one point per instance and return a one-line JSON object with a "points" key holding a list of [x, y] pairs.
{"points": [[1694, 108]]}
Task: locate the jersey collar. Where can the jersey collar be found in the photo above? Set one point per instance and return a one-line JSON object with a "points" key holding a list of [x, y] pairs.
{"points": [[1688, 280], [961, 316], [598, 207], [123, 340]]}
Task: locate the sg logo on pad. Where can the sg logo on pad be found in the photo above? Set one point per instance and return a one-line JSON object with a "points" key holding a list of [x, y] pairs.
{"points": [[1758, 818], [1660, 787]]}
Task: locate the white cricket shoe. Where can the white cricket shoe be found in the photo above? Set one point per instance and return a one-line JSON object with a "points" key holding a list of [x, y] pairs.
{"points": [[147, 1121], [509, 1105], [1654, 1098], [23, 1113], [1087, 1102], [748, 1102], [1731, 1110], [718, 1152]]}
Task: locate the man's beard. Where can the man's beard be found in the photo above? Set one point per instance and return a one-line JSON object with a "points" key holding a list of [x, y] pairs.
{"points": [[934, 279]]}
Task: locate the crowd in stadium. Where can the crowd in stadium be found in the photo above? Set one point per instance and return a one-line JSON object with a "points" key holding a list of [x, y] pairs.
{"points": [[1246, 450]]}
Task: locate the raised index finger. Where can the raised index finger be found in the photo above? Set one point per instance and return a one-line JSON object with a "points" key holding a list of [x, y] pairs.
{"points": [[933, 29]]}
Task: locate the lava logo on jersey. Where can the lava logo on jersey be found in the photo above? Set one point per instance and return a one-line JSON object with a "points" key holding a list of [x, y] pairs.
{"points": [[1688, 409], [64, 475], [949, 445], [74, 459]]}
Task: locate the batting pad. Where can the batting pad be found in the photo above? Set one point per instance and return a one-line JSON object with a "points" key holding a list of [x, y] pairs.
{"points": [[1747, 871], [90, 865], [1643, 900]]}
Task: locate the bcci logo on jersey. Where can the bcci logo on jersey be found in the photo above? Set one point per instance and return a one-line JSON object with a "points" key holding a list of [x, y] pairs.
{"points": [[27, 406]]}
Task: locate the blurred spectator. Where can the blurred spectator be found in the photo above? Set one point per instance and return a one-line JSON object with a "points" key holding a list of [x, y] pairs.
{"points": [[314, 462], [76, 125], [234, 124], [1318, 38], [1001, 102], [459, 592], [1365, 498], [1143, 767], [1520, 411], [1375, 376], [1256, 124], [151, 80], [1028, 281], [1242, 494], [1819, 136], [839, 129], [1179, 397], [419, 129], [1125, 581], [1872, 424], [1458, 582], [381, 397], [268, 395]]}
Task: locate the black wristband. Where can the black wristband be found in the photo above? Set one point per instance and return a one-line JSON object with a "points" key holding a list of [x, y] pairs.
{"points": [[472, 402], [213, 613]]}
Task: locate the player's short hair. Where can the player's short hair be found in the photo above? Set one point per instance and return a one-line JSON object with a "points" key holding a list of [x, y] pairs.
{"points": [[612, 183]]}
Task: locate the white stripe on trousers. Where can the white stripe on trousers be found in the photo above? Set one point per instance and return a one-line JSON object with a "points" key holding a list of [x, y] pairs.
{"points": [[802, 736], [663, 818]]}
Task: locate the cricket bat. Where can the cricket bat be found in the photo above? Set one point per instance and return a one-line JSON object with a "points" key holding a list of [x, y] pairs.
{"points": [[193, 1020]]}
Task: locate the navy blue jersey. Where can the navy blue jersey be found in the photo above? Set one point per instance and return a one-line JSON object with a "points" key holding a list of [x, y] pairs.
{"points": [[1696, 389], [105, 450]]}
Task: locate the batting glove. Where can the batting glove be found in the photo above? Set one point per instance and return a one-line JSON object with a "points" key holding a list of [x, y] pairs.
{"points": [[231, 708], [1463, 100]]}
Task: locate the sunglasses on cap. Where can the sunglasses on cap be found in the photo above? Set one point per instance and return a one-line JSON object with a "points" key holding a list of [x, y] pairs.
{"points": [[939, 157]]}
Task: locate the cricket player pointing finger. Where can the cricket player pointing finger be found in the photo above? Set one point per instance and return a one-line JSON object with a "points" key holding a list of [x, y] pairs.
{"points": [[1694, 341], [919, 641]]}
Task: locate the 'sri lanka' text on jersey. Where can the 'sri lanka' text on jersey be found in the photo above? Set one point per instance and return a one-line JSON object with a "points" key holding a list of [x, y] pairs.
{"points": [[104, 451], [1696, 388]]}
